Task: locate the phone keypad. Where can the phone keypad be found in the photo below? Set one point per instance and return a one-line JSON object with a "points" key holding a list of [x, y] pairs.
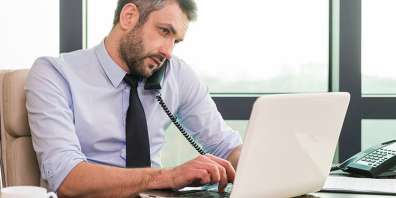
{"points": [[377, 157]]}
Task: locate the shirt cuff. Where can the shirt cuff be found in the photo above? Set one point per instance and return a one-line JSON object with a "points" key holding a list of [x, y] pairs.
{"points": [[56, 173], [227, 145]]}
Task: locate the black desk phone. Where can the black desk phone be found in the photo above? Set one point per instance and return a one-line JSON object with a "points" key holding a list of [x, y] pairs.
{"points": [[154, 83], [378, 161]]}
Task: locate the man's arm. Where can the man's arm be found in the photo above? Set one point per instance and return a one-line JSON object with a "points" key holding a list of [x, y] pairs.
{"points": [[233, 157], [91, 180]]}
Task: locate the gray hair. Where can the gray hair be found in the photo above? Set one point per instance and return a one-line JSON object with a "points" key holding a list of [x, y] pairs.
{"points": [[145, 7]]}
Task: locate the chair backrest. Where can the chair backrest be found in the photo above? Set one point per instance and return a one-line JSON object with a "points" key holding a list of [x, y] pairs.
{"points": [[19, 162], [2, 72]]}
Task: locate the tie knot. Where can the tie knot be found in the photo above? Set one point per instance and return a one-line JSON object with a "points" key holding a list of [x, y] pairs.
{"points": [[131, 80]]}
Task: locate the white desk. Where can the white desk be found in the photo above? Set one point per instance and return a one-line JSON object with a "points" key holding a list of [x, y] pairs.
{"points": [[342, 195]]}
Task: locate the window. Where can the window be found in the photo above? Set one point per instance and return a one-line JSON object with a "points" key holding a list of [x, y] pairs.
{"points": [[377, 131], [248, 47], [378, 42], [100, 16], [29, 29]]}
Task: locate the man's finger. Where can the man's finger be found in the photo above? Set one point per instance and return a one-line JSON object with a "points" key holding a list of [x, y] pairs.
{"points": [[222, 179], [211, 168], [226, 164]]}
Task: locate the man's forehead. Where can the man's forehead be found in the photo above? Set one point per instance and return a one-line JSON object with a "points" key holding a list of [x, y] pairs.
{"points": [[171, 15]]}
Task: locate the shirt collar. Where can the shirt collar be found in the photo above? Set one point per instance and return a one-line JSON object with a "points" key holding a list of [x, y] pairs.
{"points": [[113, 71]]}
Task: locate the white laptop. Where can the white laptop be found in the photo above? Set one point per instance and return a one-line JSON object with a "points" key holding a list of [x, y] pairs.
{"points": [[289, 145]]}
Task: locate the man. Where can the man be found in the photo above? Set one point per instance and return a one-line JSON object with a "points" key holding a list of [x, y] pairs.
{"points": [[82, 110]]}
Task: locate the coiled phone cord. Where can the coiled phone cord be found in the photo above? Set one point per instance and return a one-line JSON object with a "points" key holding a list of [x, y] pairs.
{"points": [[178, 125]]}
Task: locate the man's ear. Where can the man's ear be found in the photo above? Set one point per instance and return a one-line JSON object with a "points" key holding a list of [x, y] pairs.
{"points": [[129, 17]]}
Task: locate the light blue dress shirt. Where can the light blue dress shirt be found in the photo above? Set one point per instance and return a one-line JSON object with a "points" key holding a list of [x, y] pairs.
{"points": [[77, 106]]}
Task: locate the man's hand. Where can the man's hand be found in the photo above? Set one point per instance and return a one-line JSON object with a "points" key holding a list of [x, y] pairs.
{"points": [[205, 169], [93, 180]]}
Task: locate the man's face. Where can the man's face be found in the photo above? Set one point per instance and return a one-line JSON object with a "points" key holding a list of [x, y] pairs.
{"points": [[146, 47]]}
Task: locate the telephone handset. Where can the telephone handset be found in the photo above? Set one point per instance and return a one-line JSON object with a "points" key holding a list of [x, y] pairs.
{"points": [[154, 83], [376, 161]]}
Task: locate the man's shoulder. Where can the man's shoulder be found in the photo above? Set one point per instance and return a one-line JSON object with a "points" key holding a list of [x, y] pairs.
{"points": [[65, 62], [78, 57], [178, 66], [180, 71], [70, 59]]}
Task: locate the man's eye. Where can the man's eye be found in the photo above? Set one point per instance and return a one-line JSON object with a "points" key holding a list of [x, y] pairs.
{"points": [[164, 31]]}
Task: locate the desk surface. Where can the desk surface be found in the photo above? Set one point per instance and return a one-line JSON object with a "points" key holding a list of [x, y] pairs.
{"points": [[342, 195], [311, 195]]}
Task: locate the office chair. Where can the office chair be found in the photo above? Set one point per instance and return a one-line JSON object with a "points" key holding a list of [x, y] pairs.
{"points": [[18, 159]]}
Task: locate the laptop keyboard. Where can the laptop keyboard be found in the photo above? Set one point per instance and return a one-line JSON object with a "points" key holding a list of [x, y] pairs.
{"points": [[206, 194], [209, 191]]}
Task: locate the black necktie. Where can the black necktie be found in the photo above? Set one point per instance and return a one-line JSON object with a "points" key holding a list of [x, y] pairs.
{"points": [[137, 140]]}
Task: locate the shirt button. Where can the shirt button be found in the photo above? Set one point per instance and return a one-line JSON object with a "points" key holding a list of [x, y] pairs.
{"points": [[49, 173], [123, 154]]}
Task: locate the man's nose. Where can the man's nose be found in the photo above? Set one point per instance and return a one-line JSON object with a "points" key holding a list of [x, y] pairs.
{"points": [[167, 49]]}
